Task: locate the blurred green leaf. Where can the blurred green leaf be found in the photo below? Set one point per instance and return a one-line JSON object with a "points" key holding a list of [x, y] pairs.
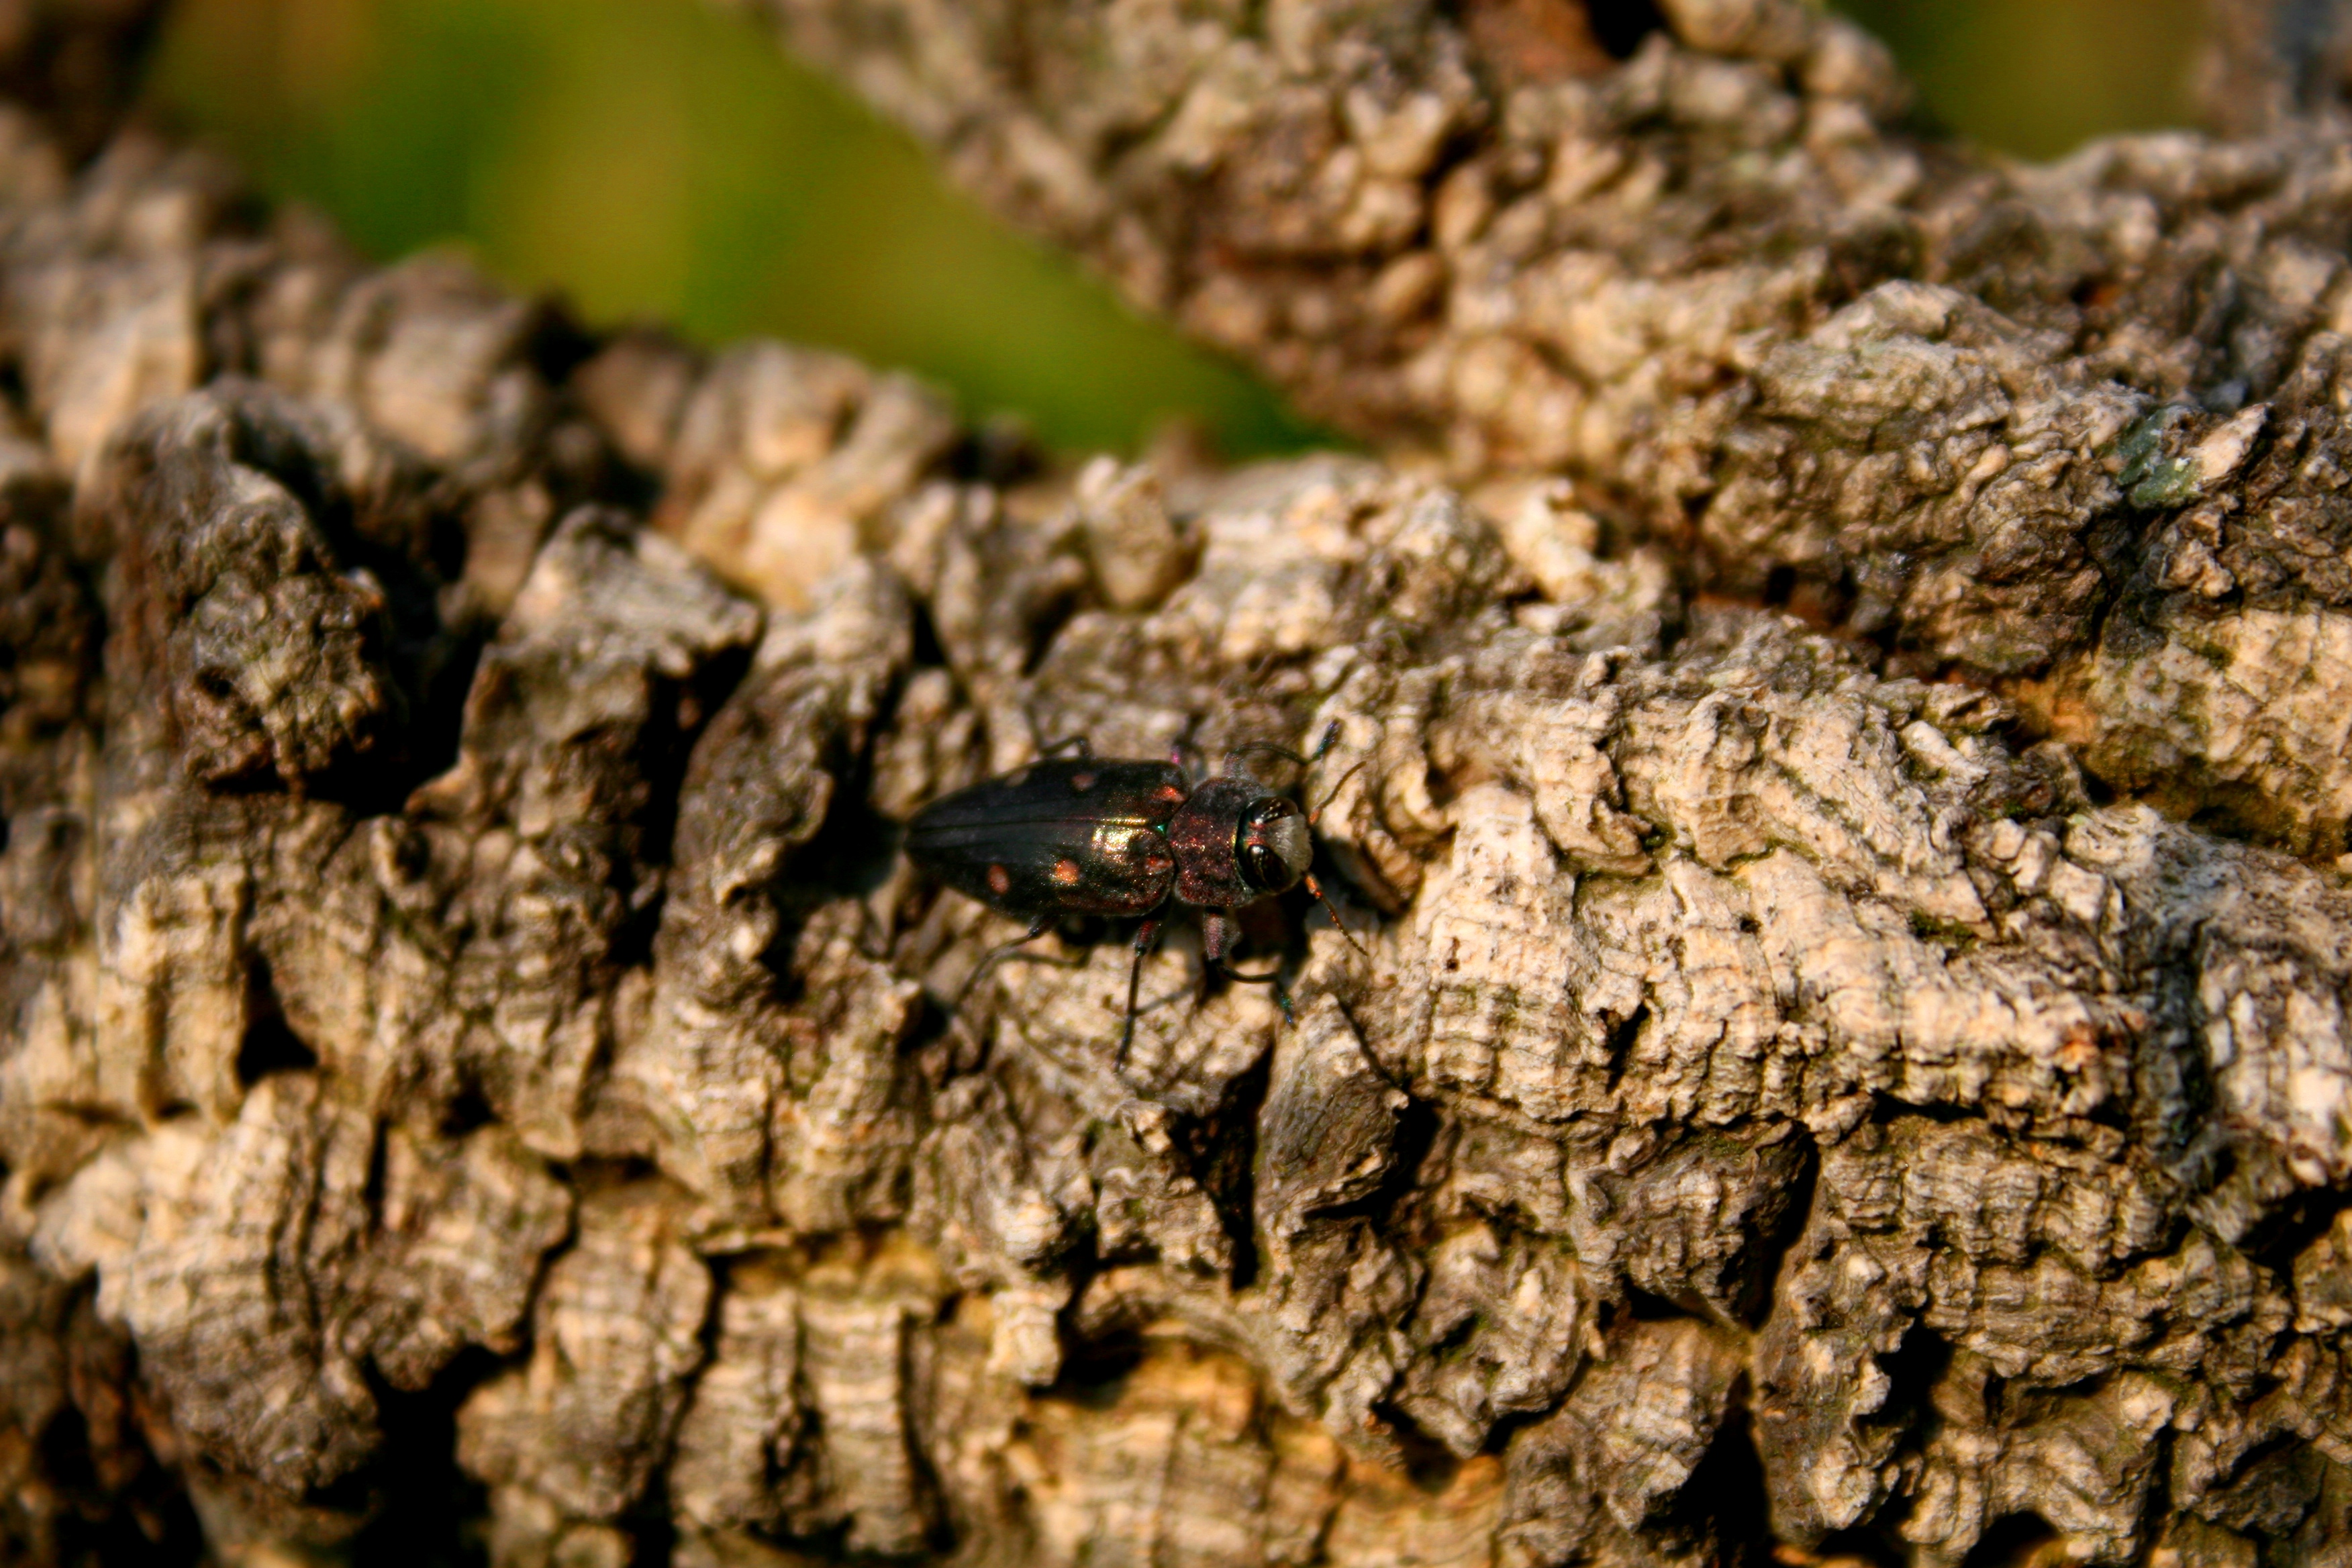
{"points": [[661, 159], [2037, 78]]}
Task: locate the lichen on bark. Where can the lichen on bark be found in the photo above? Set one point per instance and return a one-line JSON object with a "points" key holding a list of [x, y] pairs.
{"points": [[1839, 1045]]}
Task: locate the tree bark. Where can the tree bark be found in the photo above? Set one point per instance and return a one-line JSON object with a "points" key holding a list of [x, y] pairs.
{"points": [[2268, 63], [1860, 1075], [2070, 430]]}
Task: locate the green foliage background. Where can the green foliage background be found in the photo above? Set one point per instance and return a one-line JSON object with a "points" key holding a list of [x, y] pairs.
{"points": [[660, 159]]}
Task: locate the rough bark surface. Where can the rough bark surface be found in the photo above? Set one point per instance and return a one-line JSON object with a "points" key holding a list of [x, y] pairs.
{"points": [[475, 1074], [2077, 430]]}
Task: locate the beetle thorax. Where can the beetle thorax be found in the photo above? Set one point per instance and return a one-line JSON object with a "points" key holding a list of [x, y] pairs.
{"points": [[1206, 834]]}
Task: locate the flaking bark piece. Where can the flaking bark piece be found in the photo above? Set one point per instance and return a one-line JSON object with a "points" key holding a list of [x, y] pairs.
{"points": [[236, 1246], [462, 1226], [278, 579], [615, 1338], [742, 1426]]}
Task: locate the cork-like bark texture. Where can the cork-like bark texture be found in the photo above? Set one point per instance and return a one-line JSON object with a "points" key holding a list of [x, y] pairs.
{"points": [[477, 1078], [2078, 431]]}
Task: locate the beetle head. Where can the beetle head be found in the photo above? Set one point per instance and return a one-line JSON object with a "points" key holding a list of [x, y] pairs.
{"points": [[1275, 845]]}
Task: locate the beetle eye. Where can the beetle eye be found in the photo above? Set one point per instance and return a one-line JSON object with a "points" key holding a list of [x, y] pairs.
{"points": [[1274, 845]]}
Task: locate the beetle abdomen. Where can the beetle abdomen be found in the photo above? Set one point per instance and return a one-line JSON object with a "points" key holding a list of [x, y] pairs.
{"points": [[1075, 834]]}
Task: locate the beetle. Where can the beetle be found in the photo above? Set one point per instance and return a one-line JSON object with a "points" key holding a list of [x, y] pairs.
{"points": [[1088, 835]]}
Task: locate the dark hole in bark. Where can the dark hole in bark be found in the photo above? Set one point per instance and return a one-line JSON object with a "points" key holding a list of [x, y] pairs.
{"points": [[1914, 1368], [1642, 1306], [438, 719], [1781, 1227], [147, 1524], [412, 551], [2176, 1110], [468, 1109], [676, 720], [260, 437], [2279, 1235], [1863, 1545], [1621, 1038], [1887, 1111], [1221, 1152], [378, 1172], [852, 853], [2010, 1542], [1095, 1371], [66, 1461], [925, 650], [2271, 1490], [1416, 1134], [269, 1044], [2097, 790], [559, 345], [1429, 1464], [1620, 25], [423, 1511], [651, 1523], [1047, 621], [1779, 583], [1724, 1503]]}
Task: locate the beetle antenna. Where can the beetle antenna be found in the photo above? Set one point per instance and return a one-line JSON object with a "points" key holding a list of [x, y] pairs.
{"points": [[1316, 887], [1285, 752], [1333, 794], [1331, 739]]}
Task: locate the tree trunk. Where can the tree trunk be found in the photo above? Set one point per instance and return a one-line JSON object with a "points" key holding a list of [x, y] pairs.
{"points": [[1838, 694]]}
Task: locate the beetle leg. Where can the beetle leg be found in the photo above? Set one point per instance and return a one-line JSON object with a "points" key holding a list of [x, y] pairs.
{"points": [[1079, 743], [1216, 934], [1216, 940], [990, 959], [1146, 935], [1271, 977]]}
